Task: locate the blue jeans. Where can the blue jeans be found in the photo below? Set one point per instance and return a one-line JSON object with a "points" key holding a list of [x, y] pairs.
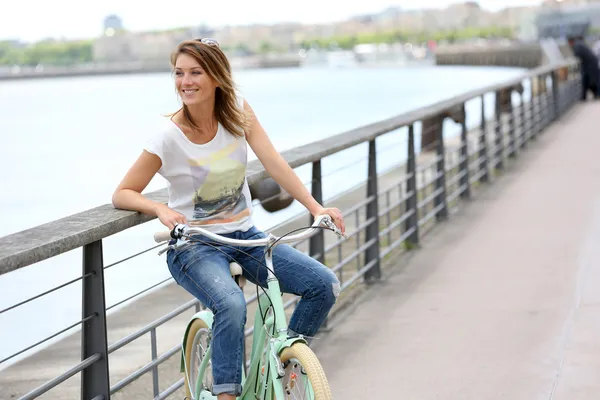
{"points": [[204, 272]]}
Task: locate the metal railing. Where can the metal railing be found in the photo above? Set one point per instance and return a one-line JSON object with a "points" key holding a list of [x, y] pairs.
{"points": [[469, 139]]}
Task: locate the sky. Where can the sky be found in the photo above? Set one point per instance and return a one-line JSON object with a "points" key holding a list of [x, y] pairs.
{"points": [[76, 19]]}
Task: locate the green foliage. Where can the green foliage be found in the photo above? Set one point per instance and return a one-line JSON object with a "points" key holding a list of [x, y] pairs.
{"points": [[265, 47], [62, 53], [47, 53], [348, 42]]}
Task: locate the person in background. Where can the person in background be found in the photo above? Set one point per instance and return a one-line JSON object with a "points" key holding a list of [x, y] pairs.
{"points": [[590, 69], [596, 49]]}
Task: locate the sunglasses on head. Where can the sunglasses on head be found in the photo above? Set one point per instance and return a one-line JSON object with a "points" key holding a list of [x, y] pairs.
{"points": [[208, 41]]}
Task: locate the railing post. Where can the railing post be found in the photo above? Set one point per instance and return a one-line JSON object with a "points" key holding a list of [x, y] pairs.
{"points": [[512, 126], [555, 95], [372, 231], [316, 244], [412, 222], [464, 181], [535, 107], [483, 150], [95, 378], [524, 124], [499, 139], [547, 115], [154, 354], [440, 186]]}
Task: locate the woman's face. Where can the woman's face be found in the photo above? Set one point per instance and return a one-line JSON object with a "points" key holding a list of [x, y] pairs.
{"points": [[193, 84]]}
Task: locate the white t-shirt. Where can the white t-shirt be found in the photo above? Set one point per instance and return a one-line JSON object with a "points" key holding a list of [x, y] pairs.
{"points": [[206, 182]]}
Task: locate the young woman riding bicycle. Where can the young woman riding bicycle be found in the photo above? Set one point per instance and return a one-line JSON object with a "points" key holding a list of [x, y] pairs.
{"points": [[202, 153]]}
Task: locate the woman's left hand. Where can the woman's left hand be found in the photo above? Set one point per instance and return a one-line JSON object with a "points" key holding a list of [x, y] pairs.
{"points": [[336, 216]]}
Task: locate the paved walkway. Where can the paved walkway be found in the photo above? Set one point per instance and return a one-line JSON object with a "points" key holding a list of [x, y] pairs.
{"points": [[503, 302]]}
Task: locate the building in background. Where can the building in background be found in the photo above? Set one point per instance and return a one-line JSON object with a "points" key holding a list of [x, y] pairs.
{"points": [[112, 25], [560, 19]]}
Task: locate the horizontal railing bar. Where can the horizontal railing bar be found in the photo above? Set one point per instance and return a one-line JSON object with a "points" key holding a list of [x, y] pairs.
{"points": [[133, 256], [60, 379], [395, 186], [346, 166], [454, 195], [49, 337], [475, 177], [392, 206], [357, 206], [145, 369], [349, 258], [428, 199], [46, 292], [396, 222], [349, 236], [128, 339], [433, 179], [456, 178], [425, 167], [477, 162], [461, 189], [361, 227], [139, 293], [357, 275], [475, 150], [397, 242], [450, 167], [171, 389], [430, 215]]}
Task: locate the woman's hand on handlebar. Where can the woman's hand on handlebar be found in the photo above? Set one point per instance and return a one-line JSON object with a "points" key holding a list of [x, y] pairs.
{"points": [[336, 216], [169, 217]]}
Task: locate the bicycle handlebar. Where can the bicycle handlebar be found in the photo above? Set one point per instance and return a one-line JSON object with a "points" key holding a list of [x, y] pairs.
{"points": [[182, 230]]}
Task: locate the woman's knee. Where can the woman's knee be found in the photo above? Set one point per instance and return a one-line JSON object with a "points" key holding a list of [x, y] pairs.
{"points": [[327, 286], [332, 285], [232, 306]]}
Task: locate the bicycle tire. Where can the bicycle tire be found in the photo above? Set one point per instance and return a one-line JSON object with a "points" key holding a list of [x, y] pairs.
{"points": [[312, 366], [196, 326]]}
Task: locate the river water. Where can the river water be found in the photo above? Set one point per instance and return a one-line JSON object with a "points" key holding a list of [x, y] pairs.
{"points": [[65, 144]]}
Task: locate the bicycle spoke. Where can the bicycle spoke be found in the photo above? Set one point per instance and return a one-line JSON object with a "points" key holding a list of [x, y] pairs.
{"points": [[296, 383]]}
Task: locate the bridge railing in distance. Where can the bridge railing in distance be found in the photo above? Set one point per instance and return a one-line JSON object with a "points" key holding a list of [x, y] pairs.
{"points": [[399, 177]]}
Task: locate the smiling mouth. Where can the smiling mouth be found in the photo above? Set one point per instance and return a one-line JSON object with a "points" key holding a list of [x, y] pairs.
{"points": [[189, 91]]}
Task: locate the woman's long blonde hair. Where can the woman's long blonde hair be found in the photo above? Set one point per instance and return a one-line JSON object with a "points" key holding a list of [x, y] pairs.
{"points": [[214, 62]]}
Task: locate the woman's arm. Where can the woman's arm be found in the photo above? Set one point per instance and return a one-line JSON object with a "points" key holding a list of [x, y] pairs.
{"points": [[281, 172], [128, 195]]}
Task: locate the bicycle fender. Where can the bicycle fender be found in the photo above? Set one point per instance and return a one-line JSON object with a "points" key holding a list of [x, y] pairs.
{"points": [[290, 341], [204, 315]]}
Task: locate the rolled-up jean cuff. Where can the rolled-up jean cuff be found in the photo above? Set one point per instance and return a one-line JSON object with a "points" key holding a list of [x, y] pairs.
{"points": [[227, 388]]}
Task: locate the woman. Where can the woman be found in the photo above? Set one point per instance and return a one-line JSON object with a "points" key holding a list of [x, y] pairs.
{"points": [[201, 152]]}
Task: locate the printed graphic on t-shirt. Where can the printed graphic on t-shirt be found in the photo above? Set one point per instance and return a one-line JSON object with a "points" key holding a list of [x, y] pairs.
{"points": [[220, 179]]}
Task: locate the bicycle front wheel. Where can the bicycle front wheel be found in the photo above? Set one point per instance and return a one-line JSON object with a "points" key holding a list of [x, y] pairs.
{"points": [[304, 376], [196, 346]]}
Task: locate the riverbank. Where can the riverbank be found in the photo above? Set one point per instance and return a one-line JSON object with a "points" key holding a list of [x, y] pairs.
{"points": [[137, 67]]}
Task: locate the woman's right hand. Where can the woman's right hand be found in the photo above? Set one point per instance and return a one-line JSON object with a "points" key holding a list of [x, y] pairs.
{"points": [[169, 217]]}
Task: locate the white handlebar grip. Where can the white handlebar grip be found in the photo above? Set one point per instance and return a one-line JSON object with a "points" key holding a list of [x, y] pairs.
{"points": [[164, 236]]}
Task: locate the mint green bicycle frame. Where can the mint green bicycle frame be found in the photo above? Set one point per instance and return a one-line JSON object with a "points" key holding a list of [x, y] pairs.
{"points": [[269, 384]]}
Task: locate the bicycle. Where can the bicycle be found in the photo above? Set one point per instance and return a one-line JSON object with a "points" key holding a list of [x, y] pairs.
{"points": [[280, 366]]}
